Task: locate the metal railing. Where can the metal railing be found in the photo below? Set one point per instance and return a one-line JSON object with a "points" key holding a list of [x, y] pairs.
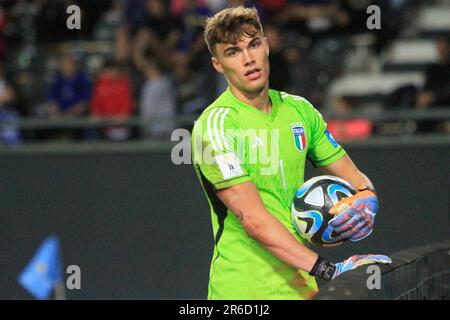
{"points": [[438, 114]]}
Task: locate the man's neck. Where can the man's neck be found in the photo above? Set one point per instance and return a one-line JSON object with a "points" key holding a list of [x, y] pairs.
{"points": [[260, 101]]}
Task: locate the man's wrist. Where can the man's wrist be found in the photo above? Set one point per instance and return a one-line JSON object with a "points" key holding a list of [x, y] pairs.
{"points": [[323, 269]]}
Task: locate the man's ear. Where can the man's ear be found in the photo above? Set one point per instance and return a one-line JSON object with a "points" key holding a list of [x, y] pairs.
{"points": [[216, 64]]}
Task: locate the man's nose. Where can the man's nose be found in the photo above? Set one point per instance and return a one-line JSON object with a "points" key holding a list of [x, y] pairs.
{"points": [[248, 58]]}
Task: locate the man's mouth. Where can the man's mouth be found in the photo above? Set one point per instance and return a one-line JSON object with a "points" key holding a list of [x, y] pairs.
{"points": [[253, 73]]}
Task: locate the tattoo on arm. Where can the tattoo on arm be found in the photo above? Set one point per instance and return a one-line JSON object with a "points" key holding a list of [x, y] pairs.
{"points": [[240, 216]]}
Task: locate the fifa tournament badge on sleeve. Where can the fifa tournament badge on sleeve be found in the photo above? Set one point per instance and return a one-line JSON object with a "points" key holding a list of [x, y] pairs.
{"points": [[229, 165]]}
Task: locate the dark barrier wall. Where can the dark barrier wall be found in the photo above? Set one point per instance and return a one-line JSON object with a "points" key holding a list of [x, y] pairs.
{"points": [[138, 226], [417, 273]]}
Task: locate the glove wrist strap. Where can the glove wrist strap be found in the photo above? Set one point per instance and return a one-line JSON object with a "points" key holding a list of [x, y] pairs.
{"points": [[323, 269], [365, 187]]}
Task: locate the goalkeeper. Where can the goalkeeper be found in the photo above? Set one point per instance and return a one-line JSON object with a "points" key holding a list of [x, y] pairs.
{"points": [[249, 152]]}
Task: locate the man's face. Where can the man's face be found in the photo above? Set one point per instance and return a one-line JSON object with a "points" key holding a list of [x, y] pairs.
{"points": [[443, 49], [68, 66], [245, 64], [155, 8]]}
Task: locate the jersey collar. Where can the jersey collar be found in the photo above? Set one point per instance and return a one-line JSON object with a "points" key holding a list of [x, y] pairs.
{"points": [[274, 98]]}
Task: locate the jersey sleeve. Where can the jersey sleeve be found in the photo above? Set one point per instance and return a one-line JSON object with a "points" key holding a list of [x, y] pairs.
{"points": [[215, 151], [323, 149]]}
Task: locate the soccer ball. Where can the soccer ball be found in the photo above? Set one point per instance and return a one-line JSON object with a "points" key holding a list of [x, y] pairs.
{"points": [[311, 205]]}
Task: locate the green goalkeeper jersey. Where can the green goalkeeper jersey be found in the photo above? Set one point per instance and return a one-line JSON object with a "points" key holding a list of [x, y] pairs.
{"points": [[233, 143]]}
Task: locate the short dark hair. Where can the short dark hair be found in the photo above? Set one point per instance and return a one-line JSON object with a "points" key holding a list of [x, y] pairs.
{"points": [[229, 25]]}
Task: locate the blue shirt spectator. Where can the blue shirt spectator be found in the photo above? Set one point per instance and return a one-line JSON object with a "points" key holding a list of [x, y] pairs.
{"points": [[9, 132], [67, 92], [70, 90]]}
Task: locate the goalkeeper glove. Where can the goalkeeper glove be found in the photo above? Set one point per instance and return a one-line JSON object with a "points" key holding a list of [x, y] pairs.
{"points": [[355, 216], [328, 271]]}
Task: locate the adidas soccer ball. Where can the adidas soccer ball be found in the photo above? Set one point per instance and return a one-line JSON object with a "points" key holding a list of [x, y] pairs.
{"points": [[311, 205]]}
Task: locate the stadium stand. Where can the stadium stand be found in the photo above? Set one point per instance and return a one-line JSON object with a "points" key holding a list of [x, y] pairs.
{"points": [[373, 71]]}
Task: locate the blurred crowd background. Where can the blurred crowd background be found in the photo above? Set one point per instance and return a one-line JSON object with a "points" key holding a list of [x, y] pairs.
{"points": [[143, 65]]}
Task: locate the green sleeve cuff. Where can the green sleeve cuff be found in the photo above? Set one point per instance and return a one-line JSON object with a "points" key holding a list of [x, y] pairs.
{"points": [[329, 160], [232, 182]]}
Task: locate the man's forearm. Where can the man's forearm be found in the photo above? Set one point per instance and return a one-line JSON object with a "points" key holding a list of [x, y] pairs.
{"points": [[345, 169], [271, 233], [246, 204], [362, 182]]}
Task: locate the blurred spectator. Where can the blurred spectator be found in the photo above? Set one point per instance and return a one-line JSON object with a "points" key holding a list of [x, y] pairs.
{"points": [[69, 91], [393, 18], [279, 77], [306, 75], [216, 5], [133, 15], [348, 129], [9, 132], [157, 100], [108, 23], [355, 20], [147, 26], [403, 97], [272, 5], [159, 33], [189, 85], [91, 14], [314, 17], [10, 93], [192, 56], [271, 8], [193, 15], [3, 23], [245, 3], [436, 91], [112, 98], [160, 42], [177, 7], [67, 96]]}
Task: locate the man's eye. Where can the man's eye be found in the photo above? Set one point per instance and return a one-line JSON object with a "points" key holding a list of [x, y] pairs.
{"points": [[255, 44], [232, 52]]}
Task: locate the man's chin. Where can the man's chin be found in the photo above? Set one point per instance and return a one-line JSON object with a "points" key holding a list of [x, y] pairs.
{"points": [[255, 89]]}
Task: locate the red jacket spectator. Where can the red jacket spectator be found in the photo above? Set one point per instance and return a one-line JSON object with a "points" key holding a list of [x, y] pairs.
{"points": [[353, 129], [112, 95]]}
